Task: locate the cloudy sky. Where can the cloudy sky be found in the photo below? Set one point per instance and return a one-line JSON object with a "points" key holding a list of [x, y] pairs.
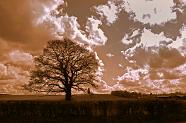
{"points": [[142, 43]]}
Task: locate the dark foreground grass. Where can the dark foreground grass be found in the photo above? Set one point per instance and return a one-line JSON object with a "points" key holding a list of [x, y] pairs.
{"points": [[90, 109]]}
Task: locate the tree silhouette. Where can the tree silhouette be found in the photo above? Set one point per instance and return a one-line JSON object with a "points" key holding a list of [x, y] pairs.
{"points": [[64, 65]]}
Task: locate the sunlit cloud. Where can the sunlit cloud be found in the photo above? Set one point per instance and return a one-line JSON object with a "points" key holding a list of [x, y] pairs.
{"points": [[145, 11], [68, 26], [110, 55], [161, 74], [134, 75], [18, 56], [109, 12], [96, 35], [148, 47], [151, 11], [14, 72], [145, 39], [12, 79], [180, 42]]}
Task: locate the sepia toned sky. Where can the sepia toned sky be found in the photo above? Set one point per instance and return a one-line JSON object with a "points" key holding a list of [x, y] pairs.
{"points": [[142, 44]]}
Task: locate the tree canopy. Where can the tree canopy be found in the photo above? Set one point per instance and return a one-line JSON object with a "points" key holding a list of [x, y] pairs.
{"points": [[64, 65]]}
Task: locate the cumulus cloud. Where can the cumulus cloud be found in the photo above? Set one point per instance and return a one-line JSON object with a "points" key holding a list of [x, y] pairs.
{"points": [[68, 26], [105, 88], [143, 42], [181, 70], [184, 1], [9, 72], [18, 56], [129, 39], [154, 38], [14, 72], [134, 75], [95, 33], [150, 40], [180, 42], [144, 80], [151, 11], [146, 11], [18, 36], [109, 12], [34, 17], [71, 29], [3, 70], [161, 69], [143, 39]]}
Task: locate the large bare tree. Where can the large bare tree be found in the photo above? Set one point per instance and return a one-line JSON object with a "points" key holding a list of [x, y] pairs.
{"points": [[64, 65]]}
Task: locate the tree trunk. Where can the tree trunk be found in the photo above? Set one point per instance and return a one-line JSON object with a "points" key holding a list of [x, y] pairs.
{"points": [[68, 95]]}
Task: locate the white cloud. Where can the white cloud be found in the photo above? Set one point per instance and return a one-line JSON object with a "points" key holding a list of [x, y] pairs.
{"points": [[139, 80], [109, 11], [181, 69], [14, 72], [160, 74], [70, 28], [152, 12], [46, 8], [66, 26], [168, 80], [96, 35], [9, 72], [184, 1], [3, 70], [18, 56], [120, 65], [148, 12], [128, 39], [147, 40], [180, 42], [109, 55], [134, 75], [12, 79]]}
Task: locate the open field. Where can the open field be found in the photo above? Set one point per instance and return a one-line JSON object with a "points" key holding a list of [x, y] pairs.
{"points": [[90, 108], [95, 97]]}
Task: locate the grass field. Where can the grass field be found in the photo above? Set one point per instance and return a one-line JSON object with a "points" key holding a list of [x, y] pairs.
{"points": [[92, 108], [80, 97]]}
